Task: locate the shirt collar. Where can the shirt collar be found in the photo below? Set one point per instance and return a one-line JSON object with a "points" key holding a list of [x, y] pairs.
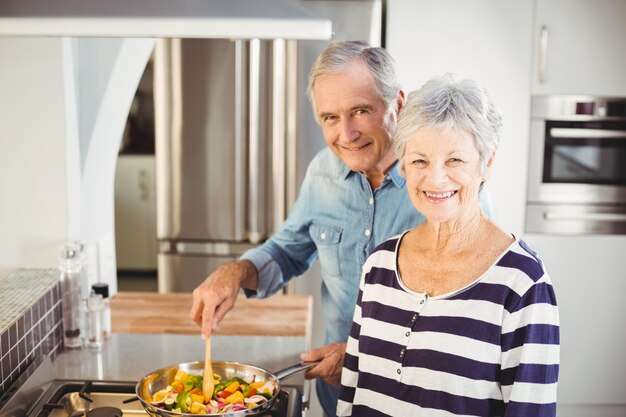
{"points": [[397, 178]]}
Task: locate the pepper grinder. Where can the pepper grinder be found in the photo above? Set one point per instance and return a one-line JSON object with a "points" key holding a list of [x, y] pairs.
{"points": [[72, 268]]}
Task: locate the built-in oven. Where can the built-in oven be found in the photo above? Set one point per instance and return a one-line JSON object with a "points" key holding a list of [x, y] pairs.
{"points": [[577, 165]]}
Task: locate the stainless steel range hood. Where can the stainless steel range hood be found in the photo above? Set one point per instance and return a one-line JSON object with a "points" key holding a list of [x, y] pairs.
{"points": [[234, 19]]}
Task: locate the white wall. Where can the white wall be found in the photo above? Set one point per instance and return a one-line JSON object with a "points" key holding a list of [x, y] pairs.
{"points": [[33, 209], [63, 108], [489, 41]]}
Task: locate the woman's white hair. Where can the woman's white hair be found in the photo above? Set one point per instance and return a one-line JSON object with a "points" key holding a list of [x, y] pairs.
{"points": [[446, 103]]}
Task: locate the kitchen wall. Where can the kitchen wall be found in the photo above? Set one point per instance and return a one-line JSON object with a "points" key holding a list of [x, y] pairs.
{"points": [[33, 195], [494, 42], [486, 40], [63, 111]]}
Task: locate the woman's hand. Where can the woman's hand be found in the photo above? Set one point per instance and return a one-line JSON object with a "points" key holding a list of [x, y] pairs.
{"points": [[331, 362]]}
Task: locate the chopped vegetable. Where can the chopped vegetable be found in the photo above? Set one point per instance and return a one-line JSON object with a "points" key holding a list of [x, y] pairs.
{"points": [[184, 394]]}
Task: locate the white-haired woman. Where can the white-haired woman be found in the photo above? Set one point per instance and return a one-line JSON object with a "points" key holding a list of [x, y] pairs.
{"points": [[455, 316]]}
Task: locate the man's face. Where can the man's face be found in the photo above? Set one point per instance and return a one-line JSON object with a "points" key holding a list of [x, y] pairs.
{"points": [[357, 124]]}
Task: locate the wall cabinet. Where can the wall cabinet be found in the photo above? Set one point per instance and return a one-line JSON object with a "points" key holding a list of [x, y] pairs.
{"points": [[579, 47], [135, 213]]}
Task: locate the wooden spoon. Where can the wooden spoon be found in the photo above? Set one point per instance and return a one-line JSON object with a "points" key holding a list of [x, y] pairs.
{"points": [[207, 380]]}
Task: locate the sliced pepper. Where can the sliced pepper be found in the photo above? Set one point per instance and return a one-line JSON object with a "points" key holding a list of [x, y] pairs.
{"points": [[178, 386], [232, 387], [180, 375], [236, 397]]}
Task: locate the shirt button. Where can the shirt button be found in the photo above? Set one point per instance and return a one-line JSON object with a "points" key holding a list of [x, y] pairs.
{"points": [[407, 334], [402, 353], [398, 371], [371, 201], [422, 302], [322, 235], [368, 232]]}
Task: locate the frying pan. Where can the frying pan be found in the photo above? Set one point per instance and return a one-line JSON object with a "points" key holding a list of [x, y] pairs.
{"points": [[161, 378]]}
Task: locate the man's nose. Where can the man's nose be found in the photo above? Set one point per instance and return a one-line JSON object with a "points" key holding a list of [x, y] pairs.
{"points": [[348, 131]]}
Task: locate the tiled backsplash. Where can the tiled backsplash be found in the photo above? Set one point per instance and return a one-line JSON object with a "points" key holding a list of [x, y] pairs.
{"points": [[30, 321]]}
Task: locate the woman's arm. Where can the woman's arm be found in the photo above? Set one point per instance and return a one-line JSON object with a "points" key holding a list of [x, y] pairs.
{"points": [[530, 353]]}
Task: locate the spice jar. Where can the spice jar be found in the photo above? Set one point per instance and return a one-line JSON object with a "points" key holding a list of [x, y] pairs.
{"points": [[103, 289]]}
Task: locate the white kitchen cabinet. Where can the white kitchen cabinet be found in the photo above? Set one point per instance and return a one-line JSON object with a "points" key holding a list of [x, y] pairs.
{"points": [[135, 213], [589, 282], [579, 47]]}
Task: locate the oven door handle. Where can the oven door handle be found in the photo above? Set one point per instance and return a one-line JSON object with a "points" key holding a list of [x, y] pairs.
{"points": [[603, 217], [569, 133]]}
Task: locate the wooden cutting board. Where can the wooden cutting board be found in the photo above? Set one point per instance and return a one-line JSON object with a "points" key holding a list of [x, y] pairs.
{"points": [[154, 313]]}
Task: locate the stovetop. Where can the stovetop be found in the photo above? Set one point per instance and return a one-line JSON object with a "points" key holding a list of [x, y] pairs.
{"points": [[80, 398]]}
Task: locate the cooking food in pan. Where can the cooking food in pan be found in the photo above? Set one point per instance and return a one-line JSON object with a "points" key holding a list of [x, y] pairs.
{"points": [[184, 394], [161, 394]]}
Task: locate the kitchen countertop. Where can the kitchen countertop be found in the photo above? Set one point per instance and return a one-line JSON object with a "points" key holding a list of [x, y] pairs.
{"points": [[129, 357], [155, 313]]}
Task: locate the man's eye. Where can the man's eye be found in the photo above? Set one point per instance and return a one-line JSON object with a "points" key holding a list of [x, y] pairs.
{"points": [[328, 118]]}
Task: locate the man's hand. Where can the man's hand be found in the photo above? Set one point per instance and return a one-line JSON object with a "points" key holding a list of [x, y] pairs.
{"points": [[217, 294], [331, 362]]}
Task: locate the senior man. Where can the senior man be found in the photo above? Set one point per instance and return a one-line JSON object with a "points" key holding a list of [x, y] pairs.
{"points": [[352, 199]]}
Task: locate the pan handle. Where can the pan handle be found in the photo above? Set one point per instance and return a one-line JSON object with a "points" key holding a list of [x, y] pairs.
{"points": [[294, 369]]}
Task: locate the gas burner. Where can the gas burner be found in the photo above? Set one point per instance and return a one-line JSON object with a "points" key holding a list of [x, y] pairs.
{"points": [[76, 398], [105, 412], [100, 412]]}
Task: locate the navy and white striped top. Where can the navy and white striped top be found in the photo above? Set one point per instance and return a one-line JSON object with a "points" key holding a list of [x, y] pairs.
{"points": [[488, 349]]}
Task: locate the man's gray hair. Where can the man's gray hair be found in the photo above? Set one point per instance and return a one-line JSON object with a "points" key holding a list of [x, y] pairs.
{"points": [[446, 103], [338, 56]]}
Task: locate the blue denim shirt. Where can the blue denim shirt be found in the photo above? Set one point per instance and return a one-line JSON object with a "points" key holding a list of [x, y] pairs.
{"points": [[340, 220]]}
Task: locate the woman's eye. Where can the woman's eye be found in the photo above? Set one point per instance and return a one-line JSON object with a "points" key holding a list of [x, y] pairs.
{"points": [[455, 161], [418, 162]]}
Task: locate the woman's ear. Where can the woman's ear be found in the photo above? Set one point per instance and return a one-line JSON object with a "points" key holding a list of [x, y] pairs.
{"points": [[488, 166]]}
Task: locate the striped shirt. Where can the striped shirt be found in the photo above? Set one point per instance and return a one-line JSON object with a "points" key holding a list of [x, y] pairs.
{"points": [[488, 349]]}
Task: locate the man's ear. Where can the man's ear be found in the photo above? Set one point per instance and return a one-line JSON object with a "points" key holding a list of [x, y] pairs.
{"points": [[400, 101]]}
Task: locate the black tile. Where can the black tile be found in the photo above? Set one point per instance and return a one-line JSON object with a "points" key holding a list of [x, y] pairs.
{"points": [[4, 343], [58, 313], [6, 366], [47, 301], [21, 326], [29, 342], [42, 330], [12, 335], [14, 359], [21, 349], [34, 310], [28, 320], [42, 307]]}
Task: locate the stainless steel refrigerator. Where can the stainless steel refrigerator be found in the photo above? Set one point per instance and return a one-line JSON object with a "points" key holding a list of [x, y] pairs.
{"points": [[234, 133]]}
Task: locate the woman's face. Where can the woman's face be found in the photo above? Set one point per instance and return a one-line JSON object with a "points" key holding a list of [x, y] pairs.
{"points": [[443, 173]]}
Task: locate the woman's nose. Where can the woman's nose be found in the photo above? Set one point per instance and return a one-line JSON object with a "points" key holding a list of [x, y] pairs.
{"points": [[437, 173]]}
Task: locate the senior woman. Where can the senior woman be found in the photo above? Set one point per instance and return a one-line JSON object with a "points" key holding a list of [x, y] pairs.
{"points": [[455, 316]]}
